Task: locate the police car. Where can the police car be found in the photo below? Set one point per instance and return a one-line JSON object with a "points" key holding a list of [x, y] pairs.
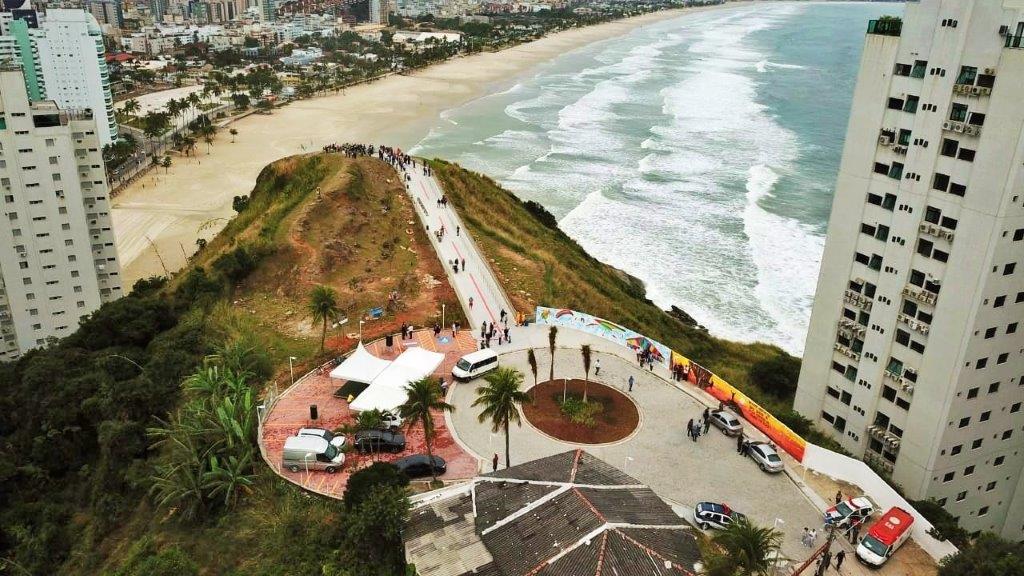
{"points": [[712, 515]]}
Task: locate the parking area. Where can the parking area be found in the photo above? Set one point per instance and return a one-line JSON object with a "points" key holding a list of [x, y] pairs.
{"points": [[292, 412]]}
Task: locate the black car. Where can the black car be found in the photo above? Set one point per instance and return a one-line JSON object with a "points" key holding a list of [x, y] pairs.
{"points": [[418, 465], [379, 441]]}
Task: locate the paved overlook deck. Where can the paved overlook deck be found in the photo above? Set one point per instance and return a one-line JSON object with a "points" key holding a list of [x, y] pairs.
{"points": [[658, 454]]}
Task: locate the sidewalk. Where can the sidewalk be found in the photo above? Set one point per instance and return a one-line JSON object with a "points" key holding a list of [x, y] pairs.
{"points": [[477, 281]]}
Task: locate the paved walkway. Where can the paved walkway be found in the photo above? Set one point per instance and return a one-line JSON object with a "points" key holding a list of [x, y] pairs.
{"points": [[477, 280]]}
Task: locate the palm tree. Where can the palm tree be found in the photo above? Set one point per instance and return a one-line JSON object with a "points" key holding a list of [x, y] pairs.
{"points": [[166, 163], [233, 133], [323, 305], [552, 336], [193, 101], [585, 352], [130, 107], [424, 398], [745, 550], [532, 359], [501, 399]]}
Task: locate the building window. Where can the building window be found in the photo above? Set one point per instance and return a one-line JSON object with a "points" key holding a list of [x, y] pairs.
{"points": [[983, 510], [940, 182], [964, 422], [956, 449], [948, 477], [958, 113], [990, 486], [976, 444], [961, 496]]}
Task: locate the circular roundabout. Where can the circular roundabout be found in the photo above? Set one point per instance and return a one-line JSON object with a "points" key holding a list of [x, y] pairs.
{"points": [[607, 415]]}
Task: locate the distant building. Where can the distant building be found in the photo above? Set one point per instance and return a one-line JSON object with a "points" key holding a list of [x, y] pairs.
{"points": [[915, 358], [570, 514], [60, 263], [108, 13], [62, 59]]}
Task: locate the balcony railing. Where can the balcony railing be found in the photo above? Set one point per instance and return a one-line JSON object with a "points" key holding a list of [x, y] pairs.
{"points": [[936, 231], [914, 323], [885, 26], [858, 300], [921, 295]]}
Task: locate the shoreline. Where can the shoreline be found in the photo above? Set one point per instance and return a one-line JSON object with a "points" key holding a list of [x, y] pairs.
{"points": [[158, 218]]}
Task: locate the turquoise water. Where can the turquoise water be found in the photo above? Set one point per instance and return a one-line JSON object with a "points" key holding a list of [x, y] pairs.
{"points": [[698, 154]]}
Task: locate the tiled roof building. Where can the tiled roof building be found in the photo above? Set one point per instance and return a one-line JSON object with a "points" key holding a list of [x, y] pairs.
{"points": [[565, 515]]}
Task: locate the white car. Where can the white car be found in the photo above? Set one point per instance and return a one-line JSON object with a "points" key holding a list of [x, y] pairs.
{"points": [[390, 420], [766, 456], [336, 440], [726, 422], [849, 512]]}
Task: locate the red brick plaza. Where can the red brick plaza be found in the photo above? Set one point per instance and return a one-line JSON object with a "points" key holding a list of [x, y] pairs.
{"points": [[291, 412]]}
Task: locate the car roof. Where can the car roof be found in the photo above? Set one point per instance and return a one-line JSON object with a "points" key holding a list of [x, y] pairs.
{"points": [[317, 431], [312, 443], [763, 447], [474, 357], [860, 502], [417, 459], [711, 507]]}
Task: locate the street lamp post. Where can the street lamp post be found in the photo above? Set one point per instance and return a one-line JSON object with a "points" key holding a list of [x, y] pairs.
{"points": [[442, 315], [626, 462], [291, 369], [361, 322]]}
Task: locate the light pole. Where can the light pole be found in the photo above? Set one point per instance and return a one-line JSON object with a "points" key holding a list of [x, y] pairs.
{"points": [[626, 462], [291, 369], [361, 322], [442, 315]]}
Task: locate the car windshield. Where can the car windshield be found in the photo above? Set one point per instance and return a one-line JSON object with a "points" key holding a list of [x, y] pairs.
{"points": [[843, 509], [331, 451], [463, 364], [875, 545], [773, 457]]}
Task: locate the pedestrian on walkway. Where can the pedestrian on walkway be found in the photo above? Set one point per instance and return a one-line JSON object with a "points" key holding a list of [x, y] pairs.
{"points": [[707, 412], [501, 315], [470, 302], [405, 328], [854, 533], [839, 559], [739, 444], [806, 538], [813, 535], [630, 382], [597, 369], [494, 463], [458, 229], [455, 330], [463, 264], [707, 423], [689, 428], [508, 340], [839, 496]]}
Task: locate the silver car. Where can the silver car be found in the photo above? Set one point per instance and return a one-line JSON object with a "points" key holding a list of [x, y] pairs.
{"points": [[766, 456], [726, 422]]}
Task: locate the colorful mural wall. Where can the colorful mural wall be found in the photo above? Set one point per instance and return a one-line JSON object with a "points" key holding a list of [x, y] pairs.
{"points": [[608, 330], [763, 420]]}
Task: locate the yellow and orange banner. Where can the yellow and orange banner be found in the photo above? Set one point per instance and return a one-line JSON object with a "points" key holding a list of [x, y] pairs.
{"points": [[763, 420]]}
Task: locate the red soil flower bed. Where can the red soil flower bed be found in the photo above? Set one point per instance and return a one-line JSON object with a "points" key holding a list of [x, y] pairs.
{"points": [[617, 420]]}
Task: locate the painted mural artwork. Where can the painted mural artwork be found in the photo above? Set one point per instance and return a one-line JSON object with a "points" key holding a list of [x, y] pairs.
{"points": [[605, 329]]}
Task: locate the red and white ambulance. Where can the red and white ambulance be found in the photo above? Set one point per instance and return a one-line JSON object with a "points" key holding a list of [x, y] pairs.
{"points": [[885, 537]]}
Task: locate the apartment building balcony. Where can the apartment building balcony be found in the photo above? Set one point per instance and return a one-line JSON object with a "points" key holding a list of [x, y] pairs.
{"points": [[846, 351], [852, 327], [936, 231], [858, 300], [914, 324], [1014, 41], [971, 90], [920, 294], [886, 26], [961, 128], [891, 441]]}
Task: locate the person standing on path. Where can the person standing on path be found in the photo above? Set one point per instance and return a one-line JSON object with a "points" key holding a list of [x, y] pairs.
{"points": [[494, 463], [508, 339], [739, 444], [458, 230], [690, 428], [597, 369], [707, 424], [707, 412], [630, 382], [839, 559], [839, 496], [463, 264]]}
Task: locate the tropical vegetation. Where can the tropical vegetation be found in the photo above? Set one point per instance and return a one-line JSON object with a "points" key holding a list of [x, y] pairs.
{"points": [[424, 398], [501, 399]]}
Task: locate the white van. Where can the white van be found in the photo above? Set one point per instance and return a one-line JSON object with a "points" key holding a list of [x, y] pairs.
{"points": [[311, 453], [475, 364]]}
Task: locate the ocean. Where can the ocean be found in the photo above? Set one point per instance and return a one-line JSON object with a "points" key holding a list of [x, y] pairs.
{"points": [[698, 154]]}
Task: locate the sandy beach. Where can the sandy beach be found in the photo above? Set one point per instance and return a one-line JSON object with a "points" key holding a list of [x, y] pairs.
{"points": [[157, 219]]}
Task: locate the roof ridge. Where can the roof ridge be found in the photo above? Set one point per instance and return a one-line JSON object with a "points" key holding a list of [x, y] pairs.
{"points": [[575, 465], [601, 552], [651, 551], [590, 505]]}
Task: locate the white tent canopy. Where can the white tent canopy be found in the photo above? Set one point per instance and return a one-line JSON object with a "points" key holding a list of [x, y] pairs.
{"points": [[387, 388], [360, 366]]}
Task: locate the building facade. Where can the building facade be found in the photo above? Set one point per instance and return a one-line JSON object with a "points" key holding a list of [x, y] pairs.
{"points": [[62, 59], [915, 356], [62, 263]]}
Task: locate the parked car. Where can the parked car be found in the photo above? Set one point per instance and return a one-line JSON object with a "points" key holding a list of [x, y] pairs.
{"points": [[311, 453], [727, 422], [475, 364], [849, 512], [418, 465], [336, 440], [712, 515], [391, 420], [378, 441], [766, 456]]}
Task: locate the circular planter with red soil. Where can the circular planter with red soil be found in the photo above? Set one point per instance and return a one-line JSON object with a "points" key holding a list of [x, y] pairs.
{"points": [[617, 419]]}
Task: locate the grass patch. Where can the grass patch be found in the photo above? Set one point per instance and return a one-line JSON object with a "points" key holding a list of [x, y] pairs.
{"points": [[579, 412], [540, 265]]}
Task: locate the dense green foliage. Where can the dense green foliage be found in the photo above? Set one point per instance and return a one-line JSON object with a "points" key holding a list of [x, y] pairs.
{"points": [[944, 526], [362, 483], [744, 549], [988, 555], [500, 400]]}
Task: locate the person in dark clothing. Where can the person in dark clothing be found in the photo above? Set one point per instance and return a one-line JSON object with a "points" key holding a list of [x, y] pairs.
{"points": [[707, 412], [839, 559], [463, 264], [707, 423], [494, 463], [739, 444]]}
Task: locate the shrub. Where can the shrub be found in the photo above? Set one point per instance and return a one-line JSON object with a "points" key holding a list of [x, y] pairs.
{"points": [[777, 375], [363, 482], [580, 412]]}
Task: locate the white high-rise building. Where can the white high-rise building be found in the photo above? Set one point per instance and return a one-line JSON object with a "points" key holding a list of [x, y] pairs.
{"points": [[62, 57], [915, 355], [60, 262], [74, 70]]}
